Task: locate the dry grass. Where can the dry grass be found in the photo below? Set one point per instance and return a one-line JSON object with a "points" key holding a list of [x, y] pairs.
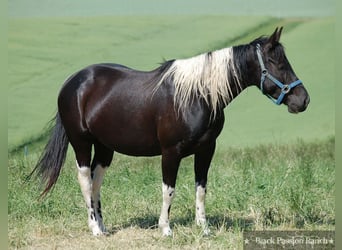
{"points": [[135, 238], [265, 188]]}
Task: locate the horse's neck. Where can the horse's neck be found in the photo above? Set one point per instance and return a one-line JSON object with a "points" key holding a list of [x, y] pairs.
{"points": [[242, 74]]}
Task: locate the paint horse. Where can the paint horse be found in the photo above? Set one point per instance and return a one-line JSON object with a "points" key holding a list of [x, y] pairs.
{"points": [[175, 110]]}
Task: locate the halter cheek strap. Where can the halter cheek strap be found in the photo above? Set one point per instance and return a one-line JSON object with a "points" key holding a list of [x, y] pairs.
{"points": [[285, 88]]}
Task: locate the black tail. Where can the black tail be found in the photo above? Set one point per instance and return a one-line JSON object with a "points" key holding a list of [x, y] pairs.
{"points": [[53, 157]]}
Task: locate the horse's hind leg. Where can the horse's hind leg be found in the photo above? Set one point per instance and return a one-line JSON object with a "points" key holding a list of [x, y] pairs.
{"points": [[83, 158], [101, 161], [90, 183]]}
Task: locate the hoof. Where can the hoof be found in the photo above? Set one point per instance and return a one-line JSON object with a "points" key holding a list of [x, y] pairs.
{"points": [[203, 223], [98, 232], [206, 231], [167, 232]]}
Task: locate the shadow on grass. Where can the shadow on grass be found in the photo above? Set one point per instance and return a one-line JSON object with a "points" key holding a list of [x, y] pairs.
{"points": [[215, 221]]}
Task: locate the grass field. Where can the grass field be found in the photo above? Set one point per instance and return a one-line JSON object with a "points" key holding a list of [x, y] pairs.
{"points": [[271, 187], [272, 170], [289, 8]]}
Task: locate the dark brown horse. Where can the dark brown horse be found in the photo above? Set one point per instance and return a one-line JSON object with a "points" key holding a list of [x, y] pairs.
{"points": [[174, 111]]}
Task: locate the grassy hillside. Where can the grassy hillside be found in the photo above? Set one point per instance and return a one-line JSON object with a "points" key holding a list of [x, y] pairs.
{"points": [[43, 52], [289, 8]]}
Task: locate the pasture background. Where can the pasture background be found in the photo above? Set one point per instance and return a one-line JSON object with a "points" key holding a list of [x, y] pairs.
{"points": [[49, 40], [43, 52]]}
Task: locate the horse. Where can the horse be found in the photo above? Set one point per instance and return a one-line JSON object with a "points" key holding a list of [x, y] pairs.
{"points": [[175, 110]]}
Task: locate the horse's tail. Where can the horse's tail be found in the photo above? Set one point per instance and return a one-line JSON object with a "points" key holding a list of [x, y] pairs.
{"points": [[52, 159]]}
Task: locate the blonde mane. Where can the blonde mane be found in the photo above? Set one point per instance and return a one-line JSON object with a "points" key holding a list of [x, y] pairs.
{"points": [[205, 76]]}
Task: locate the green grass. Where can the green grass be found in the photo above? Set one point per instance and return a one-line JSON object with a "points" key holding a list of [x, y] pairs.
{"points": [[42, 56], [44, 51], [290, 8], [273, 187]]}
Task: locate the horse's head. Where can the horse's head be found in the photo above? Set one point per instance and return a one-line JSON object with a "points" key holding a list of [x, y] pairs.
{"points": [[277, 78]]}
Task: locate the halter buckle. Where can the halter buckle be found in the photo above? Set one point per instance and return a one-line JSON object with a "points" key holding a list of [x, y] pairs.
{"points": [[285, 89]]}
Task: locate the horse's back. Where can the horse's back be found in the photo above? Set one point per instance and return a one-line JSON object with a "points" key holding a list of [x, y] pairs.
{"points": [[98, 80]]}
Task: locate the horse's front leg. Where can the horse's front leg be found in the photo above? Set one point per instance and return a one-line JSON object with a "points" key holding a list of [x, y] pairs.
{"points": [[202, 163], [170, 165]]}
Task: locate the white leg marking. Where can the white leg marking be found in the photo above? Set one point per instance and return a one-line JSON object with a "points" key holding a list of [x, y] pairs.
{"points": [[200, 208], [85, 181], [99, 172], [168, 195]]}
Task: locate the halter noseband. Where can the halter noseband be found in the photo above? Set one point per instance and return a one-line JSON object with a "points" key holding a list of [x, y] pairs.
{"points": [[285, 88]]}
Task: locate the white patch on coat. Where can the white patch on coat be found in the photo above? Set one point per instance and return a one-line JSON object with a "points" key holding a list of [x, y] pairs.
{"points": [[168, 195], [200, 205], [200, 209], [99, 172], [85, 181]]}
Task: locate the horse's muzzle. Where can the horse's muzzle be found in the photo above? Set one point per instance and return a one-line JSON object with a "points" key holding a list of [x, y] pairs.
{"points": [[297, 107]]}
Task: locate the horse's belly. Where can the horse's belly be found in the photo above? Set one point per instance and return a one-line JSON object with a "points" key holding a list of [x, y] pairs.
{"points": [[136, 150], [129, 139]]}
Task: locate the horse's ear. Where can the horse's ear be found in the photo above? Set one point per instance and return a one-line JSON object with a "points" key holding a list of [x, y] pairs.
{"points": [[275, 37]]}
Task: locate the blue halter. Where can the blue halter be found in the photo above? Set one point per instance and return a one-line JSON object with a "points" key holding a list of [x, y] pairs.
{"points": [[285, 88]]}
